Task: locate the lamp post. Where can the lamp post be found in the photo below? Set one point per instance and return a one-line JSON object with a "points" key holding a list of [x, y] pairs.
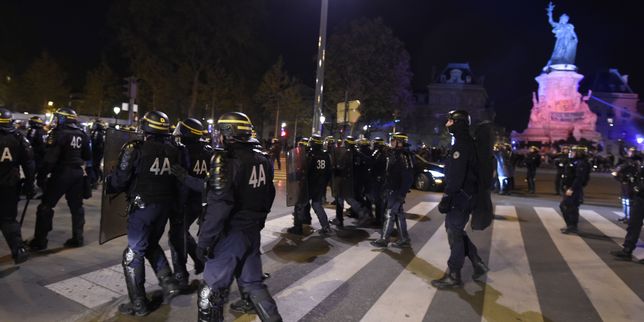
{"points": [[116, 110], [319, 78]]}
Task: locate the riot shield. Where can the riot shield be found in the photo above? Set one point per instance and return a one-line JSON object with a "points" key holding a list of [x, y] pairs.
{"points": [[343, 173], [296, 184], [482, 213], [114, 206]]}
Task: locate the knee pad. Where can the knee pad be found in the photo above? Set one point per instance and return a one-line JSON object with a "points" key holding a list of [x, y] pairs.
{"points": [[210, 303], [129, 256]]}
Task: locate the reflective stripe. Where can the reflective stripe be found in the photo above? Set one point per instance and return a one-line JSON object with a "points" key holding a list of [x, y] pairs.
{"points": [[159, 127], [193, 130], [248, 128], [234, 121], [5, 120], [167, 125]]}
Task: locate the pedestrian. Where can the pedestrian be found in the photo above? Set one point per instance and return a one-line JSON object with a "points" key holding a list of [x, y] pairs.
{"points": [[575, 177], [62, 172], [144, 173], [15, 152], [457, 201], [636, 211], [399, 178], [275, 153], [378, 175], [36, 136], [196, 155], [532, 162], [240, 196]]}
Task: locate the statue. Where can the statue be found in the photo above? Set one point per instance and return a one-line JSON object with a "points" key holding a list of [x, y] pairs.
{"points": [[566, 44]]}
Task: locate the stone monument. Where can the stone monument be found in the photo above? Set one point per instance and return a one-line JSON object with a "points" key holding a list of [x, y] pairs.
{"points": [[558, 109]]}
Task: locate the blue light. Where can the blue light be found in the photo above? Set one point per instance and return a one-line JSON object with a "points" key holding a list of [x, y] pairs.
{"points": [[639, 139]]}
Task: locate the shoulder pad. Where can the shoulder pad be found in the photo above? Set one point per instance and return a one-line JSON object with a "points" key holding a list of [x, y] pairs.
{"points": [[131, 145], [217, 177], [127, 152], [51, 137]]}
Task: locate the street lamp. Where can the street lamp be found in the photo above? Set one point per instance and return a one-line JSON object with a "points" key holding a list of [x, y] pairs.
{"points": [[116, 110], [50, 103]]}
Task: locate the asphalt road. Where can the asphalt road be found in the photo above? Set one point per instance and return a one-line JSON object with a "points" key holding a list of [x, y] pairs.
{"points": [[537, 274]]}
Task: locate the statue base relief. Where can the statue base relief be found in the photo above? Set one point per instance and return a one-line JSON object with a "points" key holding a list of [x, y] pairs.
{"points": [[558, 109]]}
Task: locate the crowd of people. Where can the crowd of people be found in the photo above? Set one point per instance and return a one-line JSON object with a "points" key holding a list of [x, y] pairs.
{"points": [[224, 182]]}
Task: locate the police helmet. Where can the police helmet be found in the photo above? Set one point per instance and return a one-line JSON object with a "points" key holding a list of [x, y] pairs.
{"points": [[65, 115], [460, 116], [155, 122], [578, 151], [378, 141], [401, 137], [35, 121], [364, 142], [315, 141], [189, 128], [350, 141], [329, 142], [534, 149], [235, 127], [303, 142], [6, 118]]}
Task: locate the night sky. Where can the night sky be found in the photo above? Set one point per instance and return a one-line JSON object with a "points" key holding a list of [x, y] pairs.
{"points": [[507, 41]]}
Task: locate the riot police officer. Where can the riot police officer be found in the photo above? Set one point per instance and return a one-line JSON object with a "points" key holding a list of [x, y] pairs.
{"points": [[240, 195], [398, 180], [461, 185], [575, 177], [363, 175], [378, 173], [532, 162], [197, 155], [344, 169], [36, 136], [98, 146], [62, 173], [318, 174], [636, 214], [144, 173], [626, 173], [15, 152], [561, 160]]}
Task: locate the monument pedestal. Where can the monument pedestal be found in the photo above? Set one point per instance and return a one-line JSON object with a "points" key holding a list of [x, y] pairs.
{"points": [[559, 110]]}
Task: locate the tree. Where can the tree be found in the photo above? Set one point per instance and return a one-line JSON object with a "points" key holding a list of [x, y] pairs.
{"points": [[42, 82], [173, 45], [101, 90], [367, 62], [273, 92]]}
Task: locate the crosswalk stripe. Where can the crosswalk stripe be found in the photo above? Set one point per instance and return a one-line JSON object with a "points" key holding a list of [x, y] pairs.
{"points": [[303, 295], [613, 300], [411, 287], [509, 268], [609, 229]]}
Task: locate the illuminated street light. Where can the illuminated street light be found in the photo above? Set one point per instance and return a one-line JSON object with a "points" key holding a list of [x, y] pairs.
{"points": [[322, 118], [116, 110], [50, 103], [210, 121], [283, 124]]}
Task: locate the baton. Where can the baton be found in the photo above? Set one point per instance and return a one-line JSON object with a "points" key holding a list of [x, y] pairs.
{"points": [[24, 211]]}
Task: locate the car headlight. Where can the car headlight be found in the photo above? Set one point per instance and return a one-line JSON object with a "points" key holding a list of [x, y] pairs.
{"points": [[435, 174]]}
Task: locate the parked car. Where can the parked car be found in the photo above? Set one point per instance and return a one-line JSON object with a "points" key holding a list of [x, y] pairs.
{"points": [[430, 176]]}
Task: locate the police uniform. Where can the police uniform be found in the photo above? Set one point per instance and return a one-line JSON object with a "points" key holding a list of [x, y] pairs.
{"points": [[378, 173], [15, 152], [197, 155], [398, 180], [36, 136], [626, 173], [62, 173], [240, 195], [144, 173], [344, 169], [575, 177], [532, 162], [318, 174], [98, 146], [457, 202], [561, 160], [364, 178], [634, 228]]}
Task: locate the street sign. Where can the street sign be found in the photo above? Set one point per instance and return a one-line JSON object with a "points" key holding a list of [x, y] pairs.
{"points": [[352, 112]]}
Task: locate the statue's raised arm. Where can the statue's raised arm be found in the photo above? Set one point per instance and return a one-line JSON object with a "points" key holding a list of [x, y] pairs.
{"points": [[549, 10]]}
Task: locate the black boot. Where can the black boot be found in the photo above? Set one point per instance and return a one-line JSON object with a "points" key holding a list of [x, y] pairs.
{"points": [[265, 305], [169, 285], [295, 230], [243, 305], [623, 254], [135, 281], [479, 268], [21, 255], [449, 280], [337, 222], [403, 238], [37, 244], [183, 281], [210, 304], [74, 242]]}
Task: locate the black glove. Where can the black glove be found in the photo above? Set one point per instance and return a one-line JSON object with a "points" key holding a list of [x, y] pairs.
{"points": [[28, 189], [41, 181], [203, 254], [445, 205], [179, 172]]}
